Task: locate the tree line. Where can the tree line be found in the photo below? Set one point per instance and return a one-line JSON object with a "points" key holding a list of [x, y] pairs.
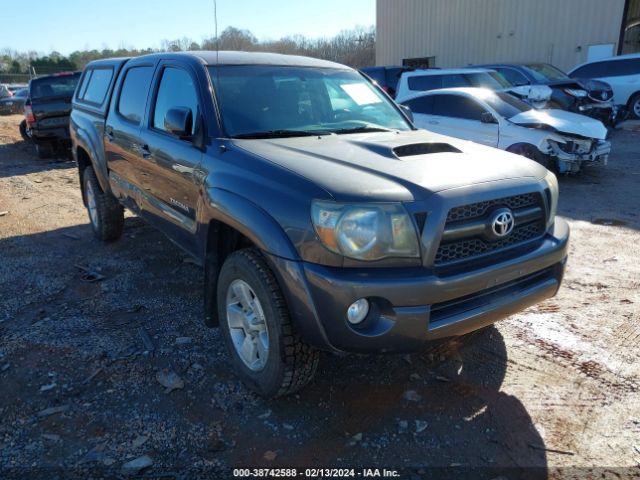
{"points": [[354, 47]]}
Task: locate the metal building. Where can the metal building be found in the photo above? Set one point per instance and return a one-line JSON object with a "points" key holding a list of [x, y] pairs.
{"points": [[454, 33]]}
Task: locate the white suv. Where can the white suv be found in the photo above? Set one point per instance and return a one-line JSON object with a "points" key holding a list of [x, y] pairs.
{"points": [[622, 73]]}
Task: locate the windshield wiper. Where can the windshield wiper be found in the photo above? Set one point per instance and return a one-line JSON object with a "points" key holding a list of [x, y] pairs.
{"points": [[361, 129], [281, 134]]}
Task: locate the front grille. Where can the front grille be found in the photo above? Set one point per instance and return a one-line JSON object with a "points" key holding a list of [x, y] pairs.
{"points": [[477, 210], [462, 249], [476, 244]]}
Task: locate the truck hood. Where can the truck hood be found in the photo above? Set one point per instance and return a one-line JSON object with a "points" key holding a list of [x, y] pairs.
{"points": [[391, 166], [563, 122]]}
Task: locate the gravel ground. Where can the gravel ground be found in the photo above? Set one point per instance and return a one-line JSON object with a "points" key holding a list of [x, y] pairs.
{"points": [[88, 331]]}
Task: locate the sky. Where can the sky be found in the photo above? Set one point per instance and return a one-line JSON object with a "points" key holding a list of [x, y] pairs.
{"points": [[68, 25]]}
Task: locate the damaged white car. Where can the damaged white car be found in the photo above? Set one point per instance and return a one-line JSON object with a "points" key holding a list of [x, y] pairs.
{"points": [[560, 140]]}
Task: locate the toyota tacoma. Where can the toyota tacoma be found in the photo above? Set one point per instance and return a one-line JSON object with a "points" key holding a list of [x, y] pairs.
{"points": [[323, 219]]}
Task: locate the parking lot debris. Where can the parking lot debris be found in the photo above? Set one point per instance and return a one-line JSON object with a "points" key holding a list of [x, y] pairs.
{"points": [[551, 450], [2, 214], [183, 340], [71, 236], [52, 411], [46, 388], [421, 426], [96, 454], [139, 441], [440, 378], [403, 426], [609, 222], [270, 455], [265, 415], [146, 339], [93, 375], [51, 437], [412, 396], [170, 380], [357, 438], [90, 276], [136, 466]]}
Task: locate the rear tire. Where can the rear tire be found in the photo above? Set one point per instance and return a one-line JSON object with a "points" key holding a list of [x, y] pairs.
{"points": [[634, 106], [105, 212], [25, 132], [252, 310]]}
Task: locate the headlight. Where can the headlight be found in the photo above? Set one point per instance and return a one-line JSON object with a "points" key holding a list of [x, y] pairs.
{"points": [[365, 232], [575, 93], [554, 191]]}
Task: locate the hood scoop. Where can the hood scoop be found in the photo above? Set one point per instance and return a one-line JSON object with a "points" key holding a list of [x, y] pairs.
{"points": [[424, 149]]}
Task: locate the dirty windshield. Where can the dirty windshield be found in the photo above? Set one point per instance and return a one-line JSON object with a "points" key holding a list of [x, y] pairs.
{"points": [[275, 101]]}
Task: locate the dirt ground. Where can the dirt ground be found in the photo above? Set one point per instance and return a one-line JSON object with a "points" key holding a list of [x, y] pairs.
{"points": [[85, 328]]}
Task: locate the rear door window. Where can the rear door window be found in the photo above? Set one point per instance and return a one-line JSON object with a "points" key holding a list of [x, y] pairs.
{"points": [[456, 106], [594, 70], [94, 87], [421, 105], [133, 94]]}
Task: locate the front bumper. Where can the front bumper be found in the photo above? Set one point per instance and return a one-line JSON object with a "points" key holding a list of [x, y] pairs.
{"points": [[410, 306], [573, 162]]}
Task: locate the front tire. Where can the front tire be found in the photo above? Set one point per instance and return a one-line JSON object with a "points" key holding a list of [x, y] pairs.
{"points": [[266, 352], [105, 212], [532, 153], [634, 106]]}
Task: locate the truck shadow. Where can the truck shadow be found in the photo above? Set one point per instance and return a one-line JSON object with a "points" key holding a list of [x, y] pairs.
{"points": [[20, 158], [440, 413]]}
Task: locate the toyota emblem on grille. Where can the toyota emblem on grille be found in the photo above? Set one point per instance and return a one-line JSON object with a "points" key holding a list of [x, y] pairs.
{"points": [[502, 223]]}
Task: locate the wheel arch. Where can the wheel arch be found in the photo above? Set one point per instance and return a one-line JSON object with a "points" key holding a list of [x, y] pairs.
{"points": [[233, 222]]}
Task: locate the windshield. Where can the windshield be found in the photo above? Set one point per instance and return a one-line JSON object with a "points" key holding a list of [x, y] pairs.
{"points": [[506, 105], [544, 73], [295, 101], [51, 87]]}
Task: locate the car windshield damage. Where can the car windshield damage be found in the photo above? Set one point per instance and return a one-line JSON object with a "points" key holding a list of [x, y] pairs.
{"points": [[275, 101], [506, 105]]}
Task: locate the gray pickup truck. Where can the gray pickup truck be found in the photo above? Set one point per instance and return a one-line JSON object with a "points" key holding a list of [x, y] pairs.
{"points": [[323, 218]]}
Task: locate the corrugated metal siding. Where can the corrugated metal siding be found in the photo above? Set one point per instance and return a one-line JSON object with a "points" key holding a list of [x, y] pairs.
{"points": [[463, 32]]}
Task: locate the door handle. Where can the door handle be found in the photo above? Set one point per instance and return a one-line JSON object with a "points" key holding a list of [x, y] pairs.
{"points": [[109, 134]]}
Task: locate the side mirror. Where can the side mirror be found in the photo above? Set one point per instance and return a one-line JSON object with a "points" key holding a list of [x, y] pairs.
{"points": [[407, 111], [179, 122], [487, 117]]}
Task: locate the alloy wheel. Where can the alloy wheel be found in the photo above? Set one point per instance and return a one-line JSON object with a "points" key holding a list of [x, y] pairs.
{"points": [[247, 325]]}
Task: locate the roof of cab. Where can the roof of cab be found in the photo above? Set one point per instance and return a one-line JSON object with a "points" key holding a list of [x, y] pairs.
{"points": [[261, 58]]}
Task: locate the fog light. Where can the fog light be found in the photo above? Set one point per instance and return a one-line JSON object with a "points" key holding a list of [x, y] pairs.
{"points": [[357, 311]]}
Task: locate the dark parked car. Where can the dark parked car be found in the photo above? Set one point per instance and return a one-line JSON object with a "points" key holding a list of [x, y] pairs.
{"points": [[15, 103], [47, 110], [589, 97], [323, 218], [386, 77]]}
